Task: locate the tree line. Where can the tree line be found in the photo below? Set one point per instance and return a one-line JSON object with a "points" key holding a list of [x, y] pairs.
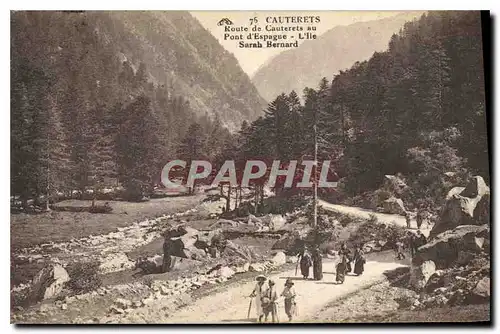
{"points": [[417, 109], [83, 119]]}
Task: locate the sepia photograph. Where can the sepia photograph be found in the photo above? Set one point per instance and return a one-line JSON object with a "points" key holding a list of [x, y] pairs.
{"points": [[250, 167]]}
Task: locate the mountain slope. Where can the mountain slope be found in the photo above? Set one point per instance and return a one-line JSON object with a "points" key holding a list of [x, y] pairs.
{"points": [[104, 97], [176, 50], [337, 49]]}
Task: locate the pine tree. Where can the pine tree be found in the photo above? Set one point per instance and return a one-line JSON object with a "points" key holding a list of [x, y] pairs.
{"points": [[137, 148], [192, 147]]}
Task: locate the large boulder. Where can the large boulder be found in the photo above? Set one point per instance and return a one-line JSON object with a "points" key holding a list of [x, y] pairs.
{"points": [[454, 191], [420, 274], [476, 187], [183, 264], [275, 222], [481, 293], [184, 245], [446, 247], [232, 250], [465, 206], [257, 267], [394, 184], [150, 265], [207, 239], [394, 205], [279, 259], [225, 272], [252, 220], [292, 242], [49, 282], [243, 268]]}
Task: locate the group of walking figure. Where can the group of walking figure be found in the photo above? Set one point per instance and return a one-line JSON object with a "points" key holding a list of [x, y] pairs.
{"points": [[266, 297], [342, 268]]}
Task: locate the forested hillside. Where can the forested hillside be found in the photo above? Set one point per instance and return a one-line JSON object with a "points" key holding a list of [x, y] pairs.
{"points": [[336, 49], [105, 98], [417, 109]]}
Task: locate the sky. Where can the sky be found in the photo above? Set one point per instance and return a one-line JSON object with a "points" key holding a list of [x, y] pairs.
{"points": [[251, 59]]}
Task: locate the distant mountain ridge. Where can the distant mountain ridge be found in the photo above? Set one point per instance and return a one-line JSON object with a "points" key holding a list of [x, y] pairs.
{"points": [[176, 50], [337, 49], [179, 51]]}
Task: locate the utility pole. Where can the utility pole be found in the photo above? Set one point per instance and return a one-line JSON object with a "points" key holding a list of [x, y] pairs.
{"points": [[315, 179]]}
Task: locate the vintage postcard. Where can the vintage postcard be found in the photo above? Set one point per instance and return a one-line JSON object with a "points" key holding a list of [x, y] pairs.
{"points": [[175, 167]]}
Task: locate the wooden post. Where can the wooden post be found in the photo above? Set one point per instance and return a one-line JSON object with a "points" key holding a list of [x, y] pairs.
{"points": [[315, 179]]}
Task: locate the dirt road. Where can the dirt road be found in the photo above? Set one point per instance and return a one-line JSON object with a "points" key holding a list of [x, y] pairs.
{"points": [[365, 214], [231, 306]]}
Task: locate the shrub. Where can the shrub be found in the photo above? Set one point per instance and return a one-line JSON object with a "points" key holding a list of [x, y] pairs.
{"points": [[106, 208], [84, 277]]}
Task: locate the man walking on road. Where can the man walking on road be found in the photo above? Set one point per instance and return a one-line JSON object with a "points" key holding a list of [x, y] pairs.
{"points": [[258, 294], [289, 295], [408, 219], [269, 302]]}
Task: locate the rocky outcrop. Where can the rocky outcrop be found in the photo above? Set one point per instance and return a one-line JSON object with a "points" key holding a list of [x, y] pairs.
{"points": [[292, 242], [279, 259], [150, 265], [394, 205], [186, 242], [274, 222], [465, 206], [257, 267], [463, 285], [420, 274], [48, 282], [445, 248], [206, 239], [232, 250], [394, 184], [226, 272], [481, 293]]}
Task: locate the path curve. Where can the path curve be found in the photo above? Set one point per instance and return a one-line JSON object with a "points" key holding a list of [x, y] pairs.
{"points": [[231, 306], [365, 214]]}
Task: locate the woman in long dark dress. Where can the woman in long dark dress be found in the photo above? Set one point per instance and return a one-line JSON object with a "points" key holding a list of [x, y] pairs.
{"points": [[317, 265], [344, 251], [359, 265], [341, 270], [305, 264]]}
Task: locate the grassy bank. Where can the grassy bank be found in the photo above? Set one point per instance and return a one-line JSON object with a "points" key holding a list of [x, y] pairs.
{"points": [[31, 229]]}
